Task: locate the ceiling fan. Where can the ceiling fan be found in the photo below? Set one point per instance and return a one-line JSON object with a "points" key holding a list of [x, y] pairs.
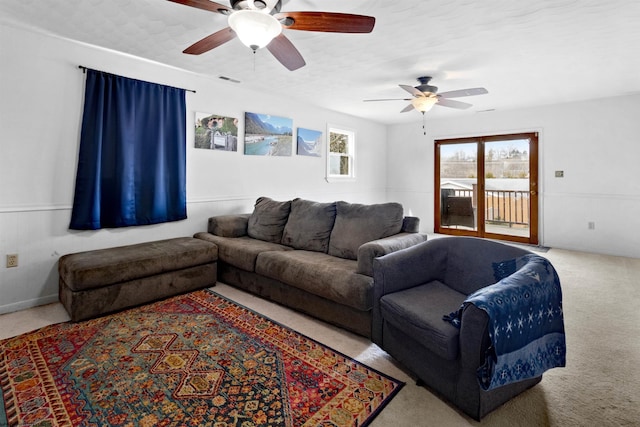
{"points": [[426, 96], [259, 23]]}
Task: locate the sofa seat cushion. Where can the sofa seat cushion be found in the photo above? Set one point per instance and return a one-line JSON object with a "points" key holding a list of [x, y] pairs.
{"points": [[309, 225], [103, 267], [320, 274], [241, 252], [357, 224], [418, 312]]}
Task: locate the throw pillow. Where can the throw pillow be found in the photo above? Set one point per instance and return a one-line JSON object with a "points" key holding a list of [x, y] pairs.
{"points": [[268, 220], [358, 224], [309, 225]]}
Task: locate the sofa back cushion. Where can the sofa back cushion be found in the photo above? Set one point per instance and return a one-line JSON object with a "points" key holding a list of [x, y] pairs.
{"points": [[309, 225], [358, 224], [268, 220], [474, 263]]}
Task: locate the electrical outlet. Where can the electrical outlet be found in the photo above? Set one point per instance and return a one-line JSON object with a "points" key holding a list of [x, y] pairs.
{"points": [[12, 260], [559, 174], [591, 225]]}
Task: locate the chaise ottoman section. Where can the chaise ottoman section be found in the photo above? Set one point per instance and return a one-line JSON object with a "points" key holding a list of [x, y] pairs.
{"points": [[97, 282]]}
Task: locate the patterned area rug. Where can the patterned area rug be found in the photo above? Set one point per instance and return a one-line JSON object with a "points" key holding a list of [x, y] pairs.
{"points": [[192, 360]]}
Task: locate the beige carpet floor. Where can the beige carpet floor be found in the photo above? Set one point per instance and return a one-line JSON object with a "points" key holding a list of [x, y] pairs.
{"points": [[599, 387]]}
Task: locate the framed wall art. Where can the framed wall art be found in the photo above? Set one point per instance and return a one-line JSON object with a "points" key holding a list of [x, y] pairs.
{"points": [[266, 135], [309, 142], [216, 132]]}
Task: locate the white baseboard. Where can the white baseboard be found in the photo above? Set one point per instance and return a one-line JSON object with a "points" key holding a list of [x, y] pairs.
{"points": [[23, 305]]}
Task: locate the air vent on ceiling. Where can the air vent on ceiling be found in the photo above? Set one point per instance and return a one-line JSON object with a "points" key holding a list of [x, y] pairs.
{"points": [[229, 79]]}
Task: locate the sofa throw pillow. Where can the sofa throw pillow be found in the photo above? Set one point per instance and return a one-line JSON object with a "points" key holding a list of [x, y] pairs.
{"points": [[309, 225], [358, 224], [268, 219]]}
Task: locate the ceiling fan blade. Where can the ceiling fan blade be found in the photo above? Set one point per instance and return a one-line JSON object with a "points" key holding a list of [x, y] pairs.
{"points": [[211, 41], [387, 99], [464, 92], [452, 104], [412, 90], [285, 52], [205, 5], [326, 22], [408, 108]]}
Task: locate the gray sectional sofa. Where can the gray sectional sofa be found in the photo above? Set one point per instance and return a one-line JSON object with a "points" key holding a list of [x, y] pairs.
{"points": [[313, 257]]}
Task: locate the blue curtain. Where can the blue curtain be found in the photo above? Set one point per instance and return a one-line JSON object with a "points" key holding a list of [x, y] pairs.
{"points": [[132, 159]]}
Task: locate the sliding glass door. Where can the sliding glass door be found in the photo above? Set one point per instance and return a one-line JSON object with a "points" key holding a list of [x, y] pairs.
{"points": [[487, 187]]}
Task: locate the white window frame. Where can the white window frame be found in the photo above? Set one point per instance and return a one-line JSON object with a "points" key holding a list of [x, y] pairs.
{"points": [[351, 153]]}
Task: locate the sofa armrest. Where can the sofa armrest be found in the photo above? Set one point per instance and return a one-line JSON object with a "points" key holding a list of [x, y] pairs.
{"points": [[411, 224], [474, 338], [376, 248], [229, 225], [400, 270], [473, 345]]}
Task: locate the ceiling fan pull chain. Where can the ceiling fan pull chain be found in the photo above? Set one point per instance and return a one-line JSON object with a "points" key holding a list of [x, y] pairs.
{"points": [[424, 123]]}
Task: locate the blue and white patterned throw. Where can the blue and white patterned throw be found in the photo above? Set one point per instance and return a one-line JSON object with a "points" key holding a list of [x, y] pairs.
{"points": [[525, 320]]}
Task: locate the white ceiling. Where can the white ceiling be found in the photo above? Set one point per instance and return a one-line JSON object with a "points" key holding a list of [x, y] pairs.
{"points": [[526, 53]]}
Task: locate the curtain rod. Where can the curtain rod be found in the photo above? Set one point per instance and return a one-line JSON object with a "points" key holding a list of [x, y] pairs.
{"points": [[84, 70]]}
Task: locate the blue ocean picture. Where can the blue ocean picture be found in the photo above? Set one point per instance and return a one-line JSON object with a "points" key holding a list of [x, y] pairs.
{"points": [[266, 135], [309, 142]]}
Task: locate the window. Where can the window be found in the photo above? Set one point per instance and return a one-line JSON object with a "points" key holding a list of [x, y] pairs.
{"points": [[340, 154], [487, 186]]}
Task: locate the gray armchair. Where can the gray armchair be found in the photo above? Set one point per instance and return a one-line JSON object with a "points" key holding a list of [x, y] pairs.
{"points": [[414, 288]]}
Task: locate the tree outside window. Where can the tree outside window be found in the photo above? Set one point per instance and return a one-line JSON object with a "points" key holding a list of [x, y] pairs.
{"points": [[340, 156]]}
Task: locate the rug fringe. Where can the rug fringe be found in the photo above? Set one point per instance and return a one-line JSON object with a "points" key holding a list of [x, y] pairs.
{"points": [[7, 393]]}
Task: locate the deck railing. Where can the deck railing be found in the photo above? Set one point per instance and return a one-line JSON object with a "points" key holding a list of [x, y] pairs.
{"points": [[502, 207]]}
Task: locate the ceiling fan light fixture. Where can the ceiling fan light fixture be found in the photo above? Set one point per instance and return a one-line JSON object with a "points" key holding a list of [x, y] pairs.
{"points": [[254, 28], [424, 103]]}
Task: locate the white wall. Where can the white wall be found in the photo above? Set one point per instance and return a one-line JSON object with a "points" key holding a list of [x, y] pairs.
{"points": [[41, 90], [595, 143]]}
